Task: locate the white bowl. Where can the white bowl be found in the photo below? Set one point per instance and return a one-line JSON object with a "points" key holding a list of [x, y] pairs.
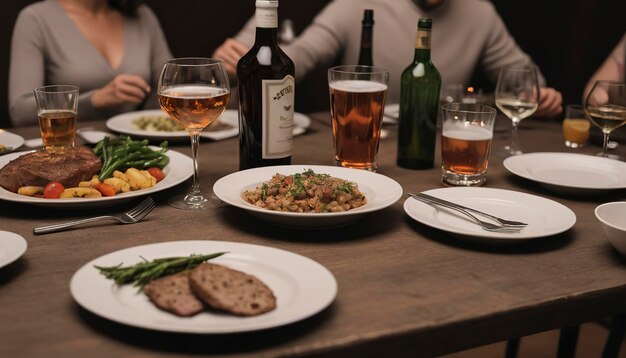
{"points": [[613, 219]]}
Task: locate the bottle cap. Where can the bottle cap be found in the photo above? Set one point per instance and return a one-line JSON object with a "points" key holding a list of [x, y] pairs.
{"points": [[368, 17], [424, 23]]}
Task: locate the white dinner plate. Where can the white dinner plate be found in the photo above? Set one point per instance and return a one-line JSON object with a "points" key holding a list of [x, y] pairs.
{"points": [[123, 123], [544, 217], [177, 171], [392, 113], [302, 287], [379, 190], [10, 140], [569, 172], [12, 247]]}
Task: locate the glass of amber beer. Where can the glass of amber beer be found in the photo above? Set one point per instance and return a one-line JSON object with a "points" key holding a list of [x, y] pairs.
{"points": [[357, 100], [56, 109], [466, 134]]}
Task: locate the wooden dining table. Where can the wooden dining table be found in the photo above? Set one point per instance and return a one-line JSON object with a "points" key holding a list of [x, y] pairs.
{"points": [[404, 289]]}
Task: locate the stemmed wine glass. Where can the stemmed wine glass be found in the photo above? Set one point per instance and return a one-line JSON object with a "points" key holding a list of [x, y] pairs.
{"points": [[606, 108], [517, 96], [194, 91]]}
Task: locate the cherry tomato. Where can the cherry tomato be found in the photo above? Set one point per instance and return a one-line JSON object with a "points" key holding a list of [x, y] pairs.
{"points": [[157, 173], [105, 189], [53, 190]]}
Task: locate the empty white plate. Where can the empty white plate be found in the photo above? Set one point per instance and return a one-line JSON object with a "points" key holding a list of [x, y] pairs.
{"points": [[12, 247], [544, 217], [569, 172]]}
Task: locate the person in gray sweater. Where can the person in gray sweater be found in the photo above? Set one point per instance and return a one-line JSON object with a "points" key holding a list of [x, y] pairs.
{"points": [[467, 34], [112, 50]]}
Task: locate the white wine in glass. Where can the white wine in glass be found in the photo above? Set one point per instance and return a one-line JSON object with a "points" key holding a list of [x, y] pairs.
{"points": [[194, 92], [605, 106], [517, 96]]}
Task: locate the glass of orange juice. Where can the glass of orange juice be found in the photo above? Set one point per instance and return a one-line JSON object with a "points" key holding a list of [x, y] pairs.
{"points": [[575, 126]]}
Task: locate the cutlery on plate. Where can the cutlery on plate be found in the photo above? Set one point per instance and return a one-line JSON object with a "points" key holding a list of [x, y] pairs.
{"points": [[466, 211], [501, 221], [132, 216]]}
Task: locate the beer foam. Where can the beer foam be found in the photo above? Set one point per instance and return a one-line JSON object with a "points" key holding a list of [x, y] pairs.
{"points": [[473, 133], [358, 86]]}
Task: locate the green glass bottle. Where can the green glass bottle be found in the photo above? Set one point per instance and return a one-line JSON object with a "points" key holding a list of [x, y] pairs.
{"points": [[419, 105]]}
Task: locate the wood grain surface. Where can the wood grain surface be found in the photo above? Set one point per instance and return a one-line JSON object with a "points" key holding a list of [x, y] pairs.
{"points": [[404, 289]]}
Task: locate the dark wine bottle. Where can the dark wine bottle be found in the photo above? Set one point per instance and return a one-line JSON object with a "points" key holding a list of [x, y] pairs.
{"points": [[266, 95], [365, 55], [419, 105]]}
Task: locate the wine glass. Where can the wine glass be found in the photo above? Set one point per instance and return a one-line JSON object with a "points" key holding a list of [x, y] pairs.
{"points": [[194, 91], [606, 108], [517, 96]]}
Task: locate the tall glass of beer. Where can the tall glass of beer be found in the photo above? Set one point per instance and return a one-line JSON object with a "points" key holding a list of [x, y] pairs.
{"points": [[56, 109], [357, 101], [466, 135]]}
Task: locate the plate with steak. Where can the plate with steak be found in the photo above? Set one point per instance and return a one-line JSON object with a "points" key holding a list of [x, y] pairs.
{"points": [[38, 168], [249, 288], [41, 167]]}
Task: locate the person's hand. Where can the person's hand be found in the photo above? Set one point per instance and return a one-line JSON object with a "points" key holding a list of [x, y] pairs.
{"points": [[550, 102], [230, 52], [122, 89]]}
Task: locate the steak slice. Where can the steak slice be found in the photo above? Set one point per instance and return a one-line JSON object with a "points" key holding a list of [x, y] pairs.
{"points": [[39, 168], [172, 293], [231, 290]]}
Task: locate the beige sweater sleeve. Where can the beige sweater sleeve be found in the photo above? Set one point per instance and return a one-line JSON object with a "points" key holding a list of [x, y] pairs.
{"points": [[159, 53], [501, 50]]}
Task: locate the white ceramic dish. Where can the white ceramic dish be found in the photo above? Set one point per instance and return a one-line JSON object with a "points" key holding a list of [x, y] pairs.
{"points": [[177, 171], [543, 216], [613, 219], [380, 192], [392, 113], [302, 287], [12, 247], [569, 172], [10, 140], [123, 123]]}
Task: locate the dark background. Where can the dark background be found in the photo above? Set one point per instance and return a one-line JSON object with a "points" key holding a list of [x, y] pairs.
{"points": [[568, 39]]}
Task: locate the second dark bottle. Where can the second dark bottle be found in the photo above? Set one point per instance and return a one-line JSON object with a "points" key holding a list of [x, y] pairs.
{"points": [[266, 95], [365, 54]]}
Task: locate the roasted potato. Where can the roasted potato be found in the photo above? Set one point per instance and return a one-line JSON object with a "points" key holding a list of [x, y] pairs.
{"points": [[119, 185], [80, 193], [139, 179], [30, 190]]}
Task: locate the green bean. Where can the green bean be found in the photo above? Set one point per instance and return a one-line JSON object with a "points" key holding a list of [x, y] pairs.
{"points": [[123, 153]]}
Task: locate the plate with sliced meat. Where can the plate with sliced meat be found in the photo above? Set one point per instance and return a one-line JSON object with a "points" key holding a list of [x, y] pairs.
{"points": [[248, 288]]}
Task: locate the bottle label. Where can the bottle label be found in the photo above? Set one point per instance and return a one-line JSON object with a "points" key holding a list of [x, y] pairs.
{"points": [[423, 39], [278, 99], [266, 17]]}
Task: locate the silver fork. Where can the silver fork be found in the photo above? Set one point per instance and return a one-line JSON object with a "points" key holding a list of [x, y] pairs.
{"points": [[485, 225], [501, 221], [132, 216]]}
